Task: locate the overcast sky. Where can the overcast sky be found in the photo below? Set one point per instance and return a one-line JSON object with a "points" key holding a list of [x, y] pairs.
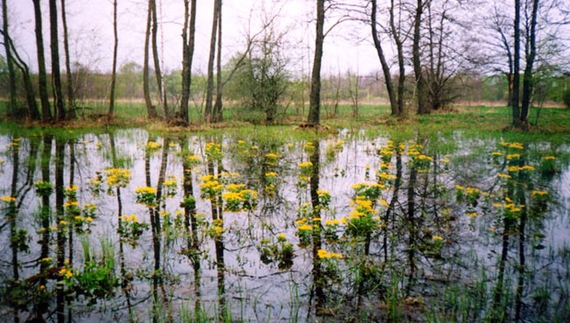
{"points": [[91, 31]]}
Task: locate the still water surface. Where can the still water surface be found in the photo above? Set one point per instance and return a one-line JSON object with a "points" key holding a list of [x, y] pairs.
{"points": [[122, 226]]}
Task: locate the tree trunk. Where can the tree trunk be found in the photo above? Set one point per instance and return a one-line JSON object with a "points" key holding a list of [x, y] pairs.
{"points": [[210, 87], [33, 111], [188, 40], [42, 78], [55, 72], [114, 70], [400, 54], [516, 65], [151, 110], [528, 80], [156, 58], [12, 109], [217, 113], [416, 59], [315, 95], [383, 62], [70, 90]]}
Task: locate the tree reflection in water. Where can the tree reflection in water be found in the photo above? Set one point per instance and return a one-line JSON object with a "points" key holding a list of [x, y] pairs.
{"points": [[346, 229]]}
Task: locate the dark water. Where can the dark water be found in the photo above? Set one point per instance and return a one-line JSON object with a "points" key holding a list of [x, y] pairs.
{"points": [[130, 228]]}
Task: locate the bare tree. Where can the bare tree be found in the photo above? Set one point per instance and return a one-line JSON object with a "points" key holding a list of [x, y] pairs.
{"points": [[315, 94], [416, 57], [55, 67], [151, 109], [42, 78], [13, 109], [208, 111], [114, 69], [188, 43], [217, 110], [33, 111], [530, 56], [156, 59], [395, 94], [69, 79]]}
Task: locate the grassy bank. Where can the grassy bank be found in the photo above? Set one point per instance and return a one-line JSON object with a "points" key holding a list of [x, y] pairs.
{"points": [[473, 118]]}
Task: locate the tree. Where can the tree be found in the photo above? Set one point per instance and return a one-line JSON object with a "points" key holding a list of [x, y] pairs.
{"points": [[208, 111], [156, 58], [9, 61], [69, 80], [55, 68], [188, 44], [416, 57], [217, 110], [151, 109], [33, 111], [114, 69], [42, 79], [315, 94], [261, 78], [395, 95], [530, 56]]}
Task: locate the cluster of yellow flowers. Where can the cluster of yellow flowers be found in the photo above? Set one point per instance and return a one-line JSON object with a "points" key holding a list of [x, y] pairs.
{"points": [[8, 199], [145, 190], [130, 218], [118, 177], [323, 254], [66, 272], [153, 145]]}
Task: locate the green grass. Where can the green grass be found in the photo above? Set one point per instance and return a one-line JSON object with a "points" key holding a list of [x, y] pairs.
{"points": [[376, 119]]}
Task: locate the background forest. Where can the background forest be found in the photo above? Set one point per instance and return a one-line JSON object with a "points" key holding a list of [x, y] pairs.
{"points": [[427, 55]]}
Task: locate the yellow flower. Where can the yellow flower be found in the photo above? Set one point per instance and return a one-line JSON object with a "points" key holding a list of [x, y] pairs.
{"points": [[516, 145], [501, 175], [8, 199], [153, 145], [539, 193], [305, 227], [281, 236], [306, 164], [496, 153], [437, 238], [145, 190], [471, 214], [548, 158]]}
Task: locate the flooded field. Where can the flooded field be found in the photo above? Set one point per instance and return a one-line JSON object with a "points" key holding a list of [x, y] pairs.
{"points": [[128, 227]]}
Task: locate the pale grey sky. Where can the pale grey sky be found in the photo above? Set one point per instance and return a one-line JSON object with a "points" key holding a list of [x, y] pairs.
{"points": [[90, 27]]}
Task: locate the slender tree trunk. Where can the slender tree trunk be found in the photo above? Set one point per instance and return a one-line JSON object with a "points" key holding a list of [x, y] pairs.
{"points": [[151, 110], [528, 80], [315, 95], [400, 54], [188, 39], [516, 65], [13, 109], [210, 87], [217, 113], [114, 70], [70, 90], [416, 59], [383, 61], [33, 111], [156, 58], [42, 78], [55, 70]]}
